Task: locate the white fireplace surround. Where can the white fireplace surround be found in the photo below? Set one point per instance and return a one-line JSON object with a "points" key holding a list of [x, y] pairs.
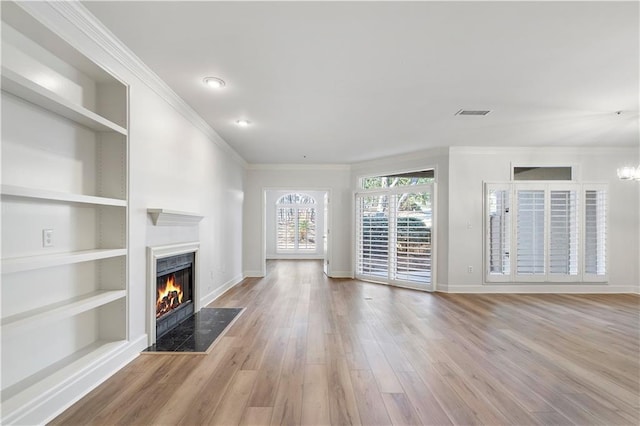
{"points": [[159, 252]]}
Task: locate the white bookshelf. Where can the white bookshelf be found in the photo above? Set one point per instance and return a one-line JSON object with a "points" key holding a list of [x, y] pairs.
{"points": [[21, 87], [64, 309], [46, 195], [27, 263], [64, 168]]}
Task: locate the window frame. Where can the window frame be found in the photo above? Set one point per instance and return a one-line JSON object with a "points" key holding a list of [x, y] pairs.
{"points": [[548, 277], [391, 193], [296, 207]]}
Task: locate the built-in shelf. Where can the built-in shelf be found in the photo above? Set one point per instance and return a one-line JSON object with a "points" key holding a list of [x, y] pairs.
{"points": [[19, 264], [66, 150], [42, 194], [26, 89], [48, 381], [164, 217], [57, 311]]}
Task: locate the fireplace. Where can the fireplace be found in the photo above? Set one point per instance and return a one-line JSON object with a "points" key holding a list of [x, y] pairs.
{"points": [[174, 289]]}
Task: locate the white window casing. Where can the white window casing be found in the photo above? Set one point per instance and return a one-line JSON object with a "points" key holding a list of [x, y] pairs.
{"points": [[394, 235], [545, 232]]}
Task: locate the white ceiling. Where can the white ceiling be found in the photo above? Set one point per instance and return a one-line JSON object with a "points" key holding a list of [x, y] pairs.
{"points": [[342, 82]]}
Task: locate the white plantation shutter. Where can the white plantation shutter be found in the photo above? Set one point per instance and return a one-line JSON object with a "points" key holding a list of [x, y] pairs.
{"points": [[412, 262], [530, 233], [595, 234], [563, 233], [286, 229], [559, 232], [296, 224], [498, 199], [306, 229], [394, 236], [372, 235]]}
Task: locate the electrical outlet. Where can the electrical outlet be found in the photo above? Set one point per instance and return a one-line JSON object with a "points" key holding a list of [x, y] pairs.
{"points": [[47, 238], [470, 269]]}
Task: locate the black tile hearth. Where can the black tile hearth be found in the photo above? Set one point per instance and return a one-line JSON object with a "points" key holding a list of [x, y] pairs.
{"points": [[198, 332]]}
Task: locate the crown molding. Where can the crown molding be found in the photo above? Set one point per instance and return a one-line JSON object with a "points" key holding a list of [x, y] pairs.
{"points": [[345, 167], [571, 150], [74, 13]]}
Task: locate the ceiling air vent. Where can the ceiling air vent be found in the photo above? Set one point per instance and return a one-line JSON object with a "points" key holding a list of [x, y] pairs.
{"points": [[472, 112]]}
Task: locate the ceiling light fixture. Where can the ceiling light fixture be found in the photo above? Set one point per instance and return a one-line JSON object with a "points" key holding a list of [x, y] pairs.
{"points": [[629, 173], [214, 82], [243, 123]]}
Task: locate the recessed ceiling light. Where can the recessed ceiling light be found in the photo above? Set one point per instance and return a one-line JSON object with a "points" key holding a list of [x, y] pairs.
{"points": [[243, 123], [214, 82]]}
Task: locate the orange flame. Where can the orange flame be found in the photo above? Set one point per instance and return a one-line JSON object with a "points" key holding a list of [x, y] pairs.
{"points": [[169, 296]]}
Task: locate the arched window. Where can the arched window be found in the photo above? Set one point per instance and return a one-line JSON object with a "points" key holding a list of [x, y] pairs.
{"points": [[296, 224]]}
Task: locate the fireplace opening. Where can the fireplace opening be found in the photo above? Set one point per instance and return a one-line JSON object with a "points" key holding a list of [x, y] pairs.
{"points": [[174, 291]]}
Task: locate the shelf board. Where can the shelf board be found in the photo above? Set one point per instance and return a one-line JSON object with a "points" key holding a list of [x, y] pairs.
{"points": [[49, 380], [57, 311], [42, 194], [19, 264], [26, 89], [164, 217]]}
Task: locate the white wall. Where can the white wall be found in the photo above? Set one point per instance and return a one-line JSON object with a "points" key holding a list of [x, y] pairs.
{"points": [[332, 178], [271, 198], [470, 167], [175, 166]]}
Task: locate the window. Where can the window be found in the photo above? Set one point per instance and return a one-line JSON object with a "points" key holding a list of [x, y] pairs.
{"points": [[558, 232], [394, 230], [499, 228], [543, 173], [420, 177], [296, 224], [595, 233]]}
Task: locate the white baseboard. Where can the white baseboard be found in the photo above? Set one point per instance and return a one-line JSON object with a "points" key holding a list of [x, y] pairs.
{"points": [[537, 288], [253, 274], [295, 257], [42, 409], [204, 301], [341, 274]]}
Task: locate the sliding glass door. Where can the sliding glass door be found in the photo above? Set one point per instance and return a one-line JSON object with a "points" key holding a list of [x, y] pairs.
{"points": [[394, 236]]}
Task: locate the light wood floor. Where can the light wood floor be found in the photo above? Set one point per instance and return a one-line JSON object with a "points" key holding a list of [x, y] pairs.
{"points": [[312, 350]]}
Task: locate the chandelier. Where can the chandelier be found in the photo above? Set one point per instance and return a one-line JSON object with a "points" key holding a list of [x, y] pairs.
{"points": [[629, 173]]}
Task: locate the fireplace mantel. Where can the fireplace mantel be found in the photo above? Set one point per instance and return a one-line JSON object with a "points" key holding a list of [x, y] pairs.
{"points": [[164, 217]]}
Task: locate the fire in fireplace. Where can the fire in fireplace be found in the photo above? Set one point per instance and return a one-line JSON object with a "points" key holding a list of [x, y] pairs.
{"points": [[170, 296], [174, 285]]}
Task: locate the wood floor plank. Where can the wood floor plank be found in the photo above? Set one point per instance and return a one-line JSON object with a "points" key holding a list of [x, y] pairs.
{"points": [[370, 404], [287, 408], [314, 350], [343, 408], [400, 410], [269, 371], [231, 408], [257, 416], [425, 403], [315, 398]]}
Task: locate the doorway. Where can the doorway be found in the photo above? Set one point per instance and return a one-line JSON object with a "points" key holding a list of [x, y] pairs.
{"points": [[296, 225]]}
